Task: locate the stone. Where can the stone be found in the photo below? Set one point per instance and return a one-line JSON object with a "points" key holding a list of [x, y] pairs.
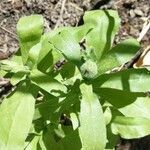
{"points": [[138, 12]]}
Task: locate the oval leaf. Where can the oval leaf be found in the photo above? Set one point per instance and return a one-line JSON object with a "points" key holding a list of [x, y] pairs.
{"points": [[16, 113], [118, 55], [47, 83], [67, 44], [92, 129], [105, 25], [117, 98], [29, 29], [129, 128], [139, 108], [131, 80]]}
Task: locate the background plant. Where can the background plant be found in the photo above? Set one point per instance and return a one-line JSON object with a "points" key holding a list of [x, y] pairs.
{"points": [[63, 96]]}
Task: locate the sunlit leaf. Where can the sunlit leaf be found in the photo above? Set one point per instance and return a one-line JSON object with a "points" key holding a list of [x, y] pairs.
{"points": [[107, 115], [67, 45], [64, 72], [13, 65], [74, 120], [47, 83], [17, 77], [34, 55], [118, 55], [131, 80], [48, 56], [29, 29], [139, 108], [89, 69], [92, 128], [105, 25], [16, 113], [33, 144], [129, 127]]}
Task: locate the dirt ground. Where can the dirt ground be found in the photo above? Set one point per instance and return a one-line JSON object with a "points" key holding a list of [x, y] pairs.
{"points": [[133, 14]]}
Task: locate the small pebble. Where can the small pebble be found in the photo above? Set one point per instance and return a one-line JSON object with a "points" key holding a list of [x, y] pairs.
{"points": [[129, 4], [134, 31], [17, 4], [132, 14], [146, 9], [138, 12]]}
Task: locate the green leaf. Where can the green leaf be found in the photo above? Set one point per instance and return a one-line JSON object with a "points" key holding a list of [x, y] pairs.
{"points": [[48, 55], [16, 113], [80, 32], [89, 69], [129, 128], [118, 55], [64, 71], [71, 98], [139, 108], [33, 144], [131, 80], [92, 129], [37, 126], [47, 141], [74, 120], [105, 24], [47, 83], [13, 65], [107, 115], [59, 131], [17, 77], [45, 58], [77, 76], [67, 45], [70, 141], [117, 98], [2, 73], [112, 139], [52, 107], [34, 55], [29, 29], [47, 109]]}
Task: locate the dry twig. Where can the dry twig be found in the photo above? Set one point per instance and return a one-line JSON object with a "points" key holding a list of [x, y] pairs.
{"points": [[75, 6], [11, 33], [61, 13], [144, 59], [141, 52], [146, 27]]}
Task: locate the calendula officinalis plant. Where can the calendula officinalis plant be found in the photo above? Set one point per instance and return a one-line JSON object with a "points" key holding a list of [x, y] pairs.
{"points": [[65, 95]]}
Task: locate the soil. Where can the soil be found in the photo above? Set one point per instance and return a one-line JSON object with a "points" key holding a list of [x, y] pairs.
{"points": [[133, 14]]}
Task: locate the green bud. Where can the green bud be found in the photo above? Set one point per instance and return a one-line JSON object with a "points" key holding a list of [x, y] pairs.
{"points": [[89, 69]]}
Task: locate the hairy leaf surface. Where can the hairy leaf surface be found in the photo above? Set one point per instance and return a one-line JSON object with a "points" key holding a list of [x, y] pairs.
{"points": [[29, 29], [129, 127], [92, 129], [131, 80], [16, 113]]}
